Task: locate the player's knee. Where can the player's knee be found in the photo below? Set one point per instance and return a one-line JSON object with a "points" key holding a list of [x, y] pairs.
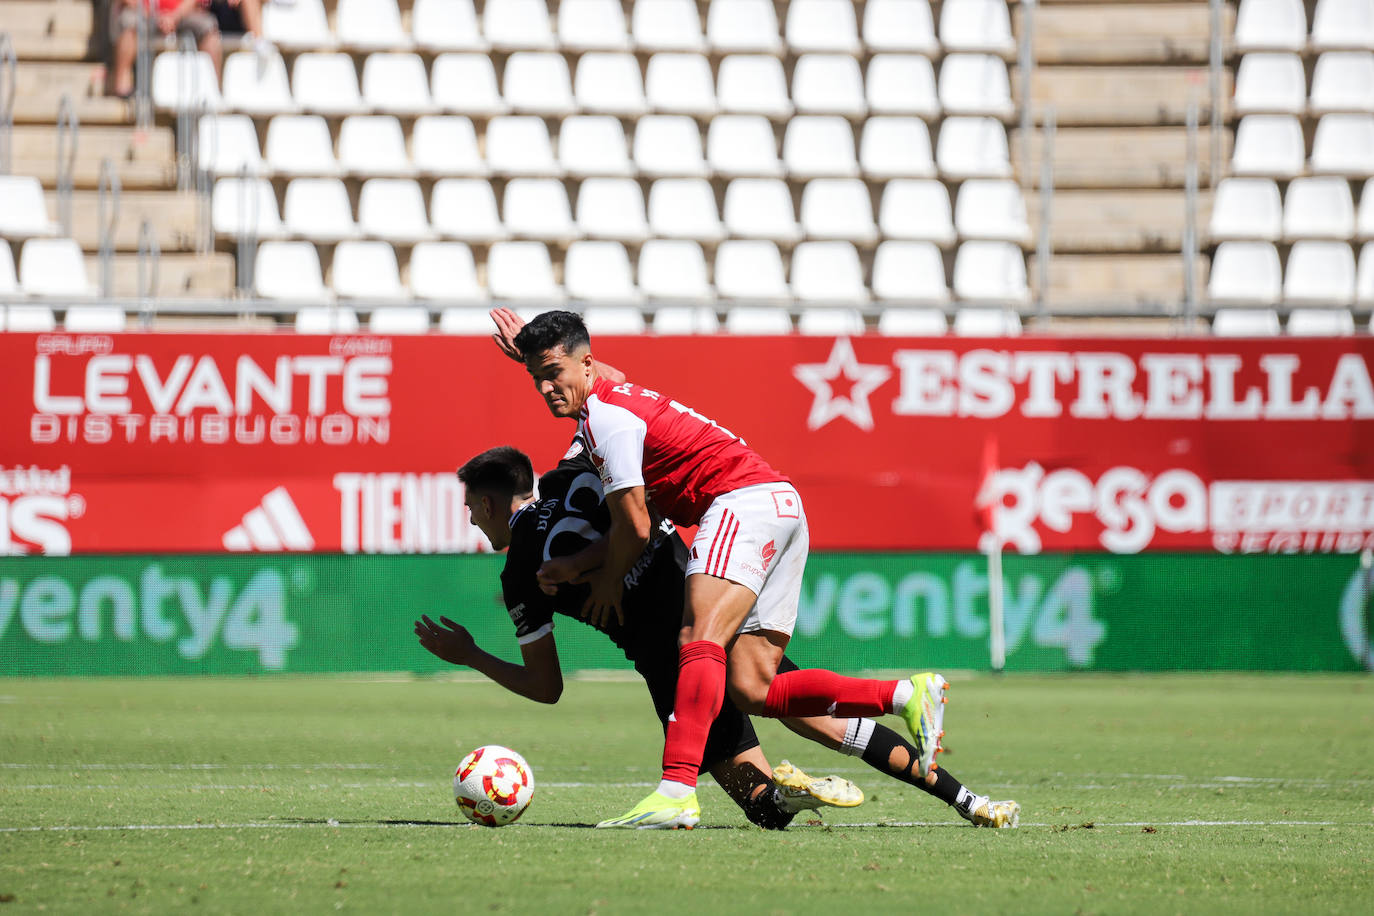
{"points": [[748, 694]]}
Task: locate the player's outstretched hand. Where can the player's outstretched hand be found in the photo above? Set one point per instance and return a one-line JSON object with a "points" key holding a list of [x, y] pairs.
{"points": [[451, 642], [508, 324], [604, 601], [556, 571]]}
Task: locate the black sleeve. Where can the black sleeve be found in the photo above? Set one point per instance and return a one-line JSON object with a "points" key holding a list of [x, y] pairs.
{"points": [[531, 611]]}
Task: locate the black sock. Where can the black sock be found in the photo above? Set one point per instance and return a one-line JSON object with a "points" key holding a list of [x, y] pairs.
{"points": [[878, 755], [763, 810]]}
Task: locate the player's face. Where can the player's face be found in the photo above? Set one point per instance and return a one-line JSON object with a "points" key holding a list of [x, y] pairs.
{"points": [[482, 508], [562, 379]]}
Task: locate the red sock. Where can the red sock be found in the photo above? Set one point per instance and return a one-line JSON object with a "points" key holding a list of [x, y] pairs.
{"points": [[700, 693], [813, 692]]}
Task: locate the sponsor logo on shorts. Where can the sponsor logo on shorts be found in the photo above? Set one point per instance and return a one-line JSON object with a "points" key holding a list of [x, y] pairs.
{"points": [[787, 503], [768, 552]]}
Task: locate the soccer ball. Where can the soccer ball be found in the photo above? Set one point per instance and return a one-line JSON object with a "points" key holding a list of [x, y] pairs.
{"points": [[493, 785]]}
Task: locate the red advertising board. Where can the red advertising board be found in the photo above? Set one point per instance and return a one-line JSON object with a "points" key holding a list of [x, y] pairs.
{"points": [[162, 442]]}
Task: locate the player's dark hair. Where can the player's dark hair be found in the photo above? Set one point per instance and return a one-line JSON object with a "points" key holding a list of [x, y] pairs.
{"points": [[503, 470], [551, 329]]}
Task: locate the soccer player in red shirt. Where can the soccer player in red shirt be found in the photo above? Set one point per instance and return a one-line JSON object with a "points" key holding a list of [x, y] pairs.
{"points": [[744, 572]]}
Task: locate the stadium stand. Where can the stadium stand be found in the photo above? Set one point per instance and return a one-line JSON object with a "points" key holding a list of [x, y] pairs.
{"points": [[711, 145]]}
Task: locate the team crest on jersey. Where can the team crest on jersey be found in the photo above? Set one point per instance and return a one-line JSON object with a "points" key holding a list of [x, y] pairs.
{"points": [[574, 450], [768, 552]]}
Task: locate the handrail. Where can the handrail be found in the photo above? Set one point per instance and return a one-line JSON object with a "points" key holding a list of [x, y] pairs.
{"points": [[1043, 247], [107, 209], [149, 257], [8, 66], [1025, 62], [1214, 73], [1190, 244], [68, 137], [143, 69], [246, 241]]}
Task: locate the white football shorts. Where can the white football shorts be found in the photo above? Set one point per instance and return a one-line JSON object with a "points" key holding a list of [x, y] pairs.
{"points": [[757, 536]]}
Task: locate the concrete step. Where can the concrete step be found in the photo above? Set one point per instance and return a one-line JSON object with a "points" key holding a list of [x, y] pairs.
{"points": [[1094, 32], [1103, 222], [133, 176], [173, 217], [1117, 157], [48, 30], [143, 160], [1116, 95], [1098, 284], [39, 86], [178, 275]]}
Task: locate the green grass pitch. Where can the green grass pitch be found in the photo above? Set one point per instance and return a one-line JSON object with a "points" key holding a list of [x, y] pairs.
{"points": [[1140, 794]]}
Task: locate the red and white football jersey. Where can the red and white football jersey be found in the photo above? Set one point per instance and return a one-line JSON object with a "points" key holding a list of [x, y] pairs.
{"points": [[682, 459]]}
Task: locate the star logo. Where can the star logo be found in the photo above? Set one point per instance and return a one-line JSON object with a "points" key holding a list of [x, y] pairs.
{"points": [[829, 380]]}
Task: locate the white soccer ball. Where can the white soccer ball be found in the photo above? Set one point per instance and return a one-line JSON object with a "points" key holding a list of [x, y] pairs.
{"points": [[493, 785]]}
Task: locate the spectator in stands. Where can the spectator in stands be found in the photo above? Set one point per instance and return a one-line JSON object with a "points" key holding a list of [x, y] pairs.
{"points": [[239, 17], [179, 17]]}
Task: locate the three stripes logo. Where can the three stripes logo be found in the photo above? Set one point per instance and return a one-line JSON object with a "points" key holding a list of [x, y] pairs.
{"points": [[275, 524]]}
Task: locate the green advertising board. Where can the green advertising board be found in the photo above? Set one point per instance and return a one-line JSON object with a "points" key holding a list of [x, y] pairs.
{"points": [[254, 614]]}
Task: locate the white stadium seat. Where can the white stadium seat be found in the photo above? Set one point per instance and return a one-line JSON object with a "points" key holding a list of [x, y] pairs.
{"points": [[537, 82], [1364, 278], [990, 272], [909, 272], [753, 84], [685, 319], [399, 319], [972, 148], [300, 145], [819, 146], [256, 84], [823, 321], [245, 206], [366, 270], [1245, 272], [393, 209], [514, 25], [668, 145], [611, 208], [1343, 81], [592, 25], [992, 209], [896, 148], [916, 209], [94, 319], [1319, 273], [446, 145], [1268, 146], [29, 319], [680, 84], [684, 208], [742, 145], [613, 319], [975, 84], [976, 25], [326, 319], [673, 269], [289, 271], [520, 145], [537, 208], [822, 25], [1270, 25], [25, 213], [667, 25], [609, 83], [466, 84], [750, 269], [370, 25], [838, 208], [828, 272], [326, 84], [761, 208], [522, 271], [1243, 322], [1344, 145], [397, 84], [828, 84], [372, 145], [900, 25], [744, 320], [593, 145], [9, 280], [986, 322], [734, 26], [1318, 208], [1343, 25], [446, 25], [318, 209], [912, 322], [1270, 82], [902, 84], [466, 320], [446, 270], [227, 145], [600, 272], [1314, 322], [185, 81], [1246, 208], [1364, 220], [297, 26]]}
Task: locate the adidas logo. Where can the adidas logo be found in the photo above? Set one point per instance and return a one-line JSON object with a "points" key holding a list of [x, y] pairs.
{"points": [[276, 524]]}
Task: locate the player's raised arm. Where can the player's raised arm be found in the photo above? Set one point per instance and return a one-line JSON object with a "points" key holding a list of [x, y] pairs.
{"points": [[631, 526], [508, 324], [540, 678]]}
